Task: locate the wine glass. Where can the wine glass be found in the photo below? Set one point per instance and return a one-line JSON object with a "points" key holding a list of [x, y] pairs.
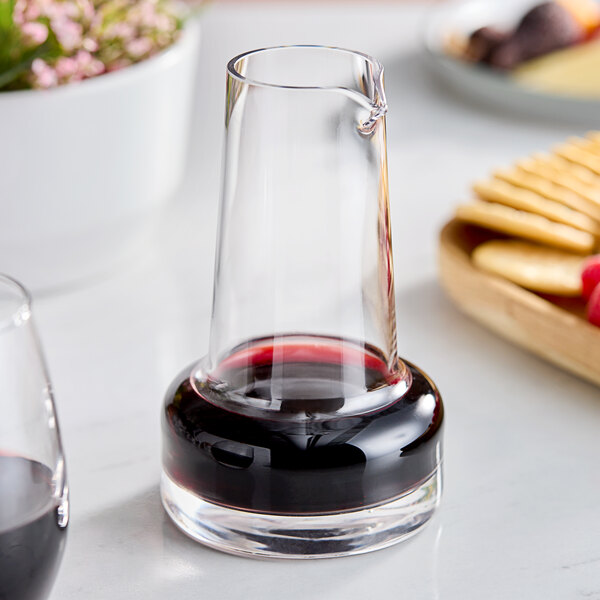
{"points": [[34, 497]]}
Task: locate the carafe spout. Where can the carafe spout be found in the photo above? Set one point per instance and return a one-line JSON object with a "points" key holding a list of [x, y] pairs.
{"points": [[377, 101]]}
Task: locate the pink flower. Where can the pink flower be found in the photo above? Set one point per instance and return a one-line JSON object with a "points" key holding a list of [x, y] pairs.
{"points": [[122, 30], [19, 12], [146, 13], [56, 11], [89, 44], [164, 23], [71, 10], [95, 36], [87, 9], [139, 47], [44, 74], [37, 33], [146, 9], [69, 33], [66, 67], [32, 12], [44, 5], [82, 65], [87, 65]]}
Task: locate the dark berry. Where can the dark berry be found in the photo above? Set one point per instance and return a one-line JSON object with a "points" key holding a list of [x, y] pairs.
{"points": [[545, 28]]}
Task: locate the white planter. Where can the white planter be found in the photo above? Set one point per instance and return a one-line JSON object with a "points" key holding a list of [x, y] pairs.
{"points": [[86, 166]]}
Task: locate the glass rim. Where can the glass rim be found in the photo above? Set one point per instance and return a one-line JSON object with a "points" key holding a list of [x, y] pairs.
{"points": [[233, 72], [20, 308]]}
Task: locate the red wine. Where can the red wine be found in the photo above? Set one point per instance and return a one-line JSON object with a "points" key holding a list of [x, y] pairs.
{"points": [[31, 540], [273, 463]]}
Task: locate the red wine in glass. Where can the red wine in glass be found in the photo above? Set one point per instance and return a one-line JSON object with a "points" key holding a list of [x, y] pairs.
{"points": [[32, 538]]}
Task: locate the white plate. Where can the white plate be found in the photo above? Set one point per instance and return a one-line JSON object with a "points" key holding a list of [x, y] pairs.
{"points": [[485, 85]]}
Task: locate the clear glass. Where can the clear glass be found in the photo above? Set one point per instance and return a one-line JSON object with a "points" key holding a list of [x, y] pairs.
{"points": [[301, 404], [34, 497], [304, 238]]}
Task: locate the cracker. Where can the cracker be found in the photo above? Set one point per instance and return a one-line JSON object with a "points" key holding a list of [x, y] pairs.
{"points": [[594, 136], [588, 144], [562, 176], [546, 188], [534, 267], [500, 191], [579, 156], [505, 219], [578, 172]]}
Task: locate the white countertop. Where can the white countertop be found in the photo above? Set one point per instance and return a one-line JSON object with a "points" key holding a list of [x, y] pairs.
{"points": [[520, 514]]}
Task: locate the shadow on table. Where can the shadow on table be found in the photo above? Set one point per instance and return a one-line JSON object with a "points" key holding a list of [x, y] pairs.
{"points": [[132, 551]]}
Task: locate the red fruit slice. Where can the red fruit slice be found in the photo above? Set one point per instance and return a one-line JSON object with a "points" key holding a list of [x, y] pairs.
{"points": [[590, 276], [593, 308]]}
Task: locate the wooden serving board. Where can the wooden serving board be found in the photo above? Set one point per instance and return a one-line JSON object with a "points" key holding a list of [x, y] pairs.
{"points": [[553, 328]]}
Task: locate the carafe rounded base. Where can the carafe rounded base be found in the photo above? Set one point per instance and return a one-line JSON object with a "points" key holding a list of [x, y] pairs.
{"points": [[304, 536]]}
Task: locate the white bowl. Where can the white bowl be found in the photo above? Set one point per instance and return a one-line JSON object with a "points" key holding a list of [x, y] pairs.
{"points": [[86, 166]]}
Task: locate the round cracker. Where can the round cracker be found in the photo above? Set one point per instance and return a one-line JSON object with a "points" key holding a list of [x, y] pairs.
{"points": [[518, 223], [497, 190], [534, 267], [547, 189]]}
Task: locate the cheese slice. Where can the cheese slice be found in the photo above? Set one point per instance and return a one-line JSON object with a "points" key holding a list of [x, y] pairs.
{"points": [[568, 72]]}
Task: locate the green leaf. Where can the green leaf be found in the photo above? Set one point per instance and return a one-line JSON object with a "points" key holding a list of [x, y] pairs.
{"points": [[14, 66], [6, 13], [13, 73]]}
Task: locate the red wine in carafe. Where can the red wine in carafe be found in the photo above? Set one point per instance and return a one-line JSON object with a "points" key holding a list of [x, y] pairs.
{"points": [[274, 463]]}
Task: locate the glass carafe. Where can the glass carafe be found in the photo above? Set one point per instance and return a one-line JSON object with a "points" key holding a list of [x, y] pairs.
{"points": [[301, 433]]}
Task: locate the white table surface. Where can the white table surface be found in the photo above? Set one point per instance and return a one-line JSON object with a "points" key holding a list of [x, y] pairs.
{"points": [[520, 516]]}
